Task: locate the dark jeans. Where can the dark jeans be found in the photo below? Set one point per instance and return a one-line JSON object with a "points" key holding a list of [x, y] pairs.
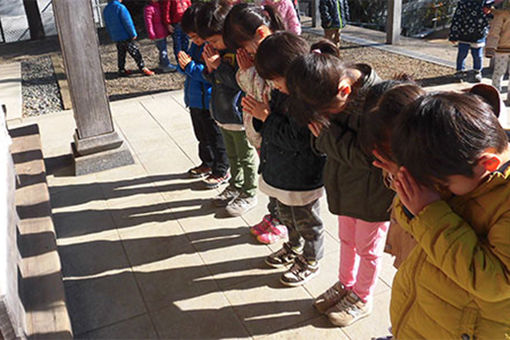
{"points": [[130, 47], [211, 148], [163, 53], [477, 54], [305, 225], [180, 39]]}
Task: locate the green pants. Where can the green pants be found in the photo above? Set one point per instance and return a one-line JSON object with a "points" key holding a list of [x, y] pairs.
{"points": [[243, 161]]}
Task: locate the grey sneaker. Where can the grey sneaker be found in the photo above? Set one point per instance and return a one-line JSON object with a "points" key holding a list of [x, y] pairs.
{"points": [[240, 205], [300, 273], [349, 310], [477, 76], [461, 75], [226, 196], [330, 297], [282, 257]]}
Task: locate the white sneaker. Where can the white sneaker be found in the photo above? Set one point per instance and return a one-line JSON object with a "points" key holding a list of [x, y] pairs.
{"points": [[241, 204]]}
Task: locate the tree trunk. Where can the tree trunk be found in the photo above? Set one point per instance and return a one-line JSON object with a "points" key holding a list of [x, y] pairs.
{"points": [[34, 19]]}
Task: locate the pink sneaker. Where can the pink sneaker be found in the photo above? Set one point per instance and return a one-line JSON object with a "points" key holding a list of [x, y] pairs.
{"points": [[274, 234], [263, 226]]}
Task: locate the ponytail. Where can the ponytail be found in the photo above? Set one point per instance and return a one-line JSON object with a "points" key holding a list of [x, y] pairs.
{"points": [[244, 19], [326, 47]]}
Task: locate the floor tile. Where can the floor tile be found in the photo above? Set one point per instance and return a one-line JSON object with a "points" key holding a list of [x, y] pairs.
{"points": [[139, 327]]}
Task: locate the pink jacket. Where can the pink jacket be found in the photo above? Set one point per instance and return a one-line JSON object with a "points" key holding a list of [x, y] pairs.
{"points": [[154, 21], [288, 13]]}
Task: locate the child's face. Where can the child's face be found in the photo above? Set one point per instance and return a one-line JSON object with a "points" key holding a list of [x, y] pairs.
{"points": [[216, 41], [280, 84], [196, 39], [460, 184]]}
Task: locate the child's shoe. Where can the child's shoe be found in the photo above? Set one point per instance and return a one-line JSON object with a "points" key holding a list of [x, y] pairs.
{"points": [[213, 181], [461, 76], [199, 171], [168, 69], [262, 227], [283, 257], [349, 310], [241, 205], [477, 76], [147, 72], [330, 297], [301, 272], [124, 73], [228, 195], [274, 234]]}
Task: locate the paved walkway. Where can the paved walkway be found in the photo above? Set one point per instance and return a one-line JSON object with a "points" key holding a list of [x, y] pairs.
{"points": [[145, 254]]}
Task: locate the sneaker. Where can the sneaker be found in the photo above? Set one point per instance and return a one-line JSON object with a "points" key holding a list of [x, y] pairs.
{"points": [[461, 75], [349, 310], [274, 234], [282, 257], [330, 297], [168, 69], [263, 226], [147, 72], [477, 77], [300, 272], [213, 181], [241, 205], [229, 194], [124, 73], [199, 171]]}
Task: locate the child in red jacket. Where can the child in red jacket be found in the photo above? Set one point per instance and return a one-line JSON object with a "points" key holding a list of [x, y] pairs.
{"points": [[157, 31], [172, 11]]}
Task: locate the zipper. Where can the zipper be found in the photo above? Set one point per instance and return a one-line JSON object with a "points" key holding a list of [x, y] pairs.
{"points": [[411, 300]]}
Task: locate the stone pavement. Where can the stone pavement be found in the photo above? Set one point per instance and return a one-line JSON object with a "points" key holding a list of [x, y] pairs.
{"points": [[144, 254]]}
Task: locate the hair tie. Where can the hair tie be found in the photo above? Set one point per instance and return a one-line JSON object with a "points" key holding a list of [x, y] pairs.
{"points": [[317, 51]]}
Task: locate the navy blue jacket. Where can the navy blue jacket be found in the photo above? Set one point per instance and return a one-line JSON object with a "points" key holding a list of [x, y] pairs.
{"points": [[470, 23], [118, 21], [334, 13], [226, 95], [197, 90], [287, 160]]}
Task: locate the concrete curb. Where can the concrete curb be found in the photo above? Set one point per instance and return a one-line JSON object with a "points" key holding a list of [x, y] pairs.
{"points": [[388, 48]]}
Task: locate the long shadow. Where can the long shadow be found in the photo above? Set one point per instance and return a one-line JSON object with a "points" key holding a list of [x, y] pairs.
{"points": [[437, 81]]}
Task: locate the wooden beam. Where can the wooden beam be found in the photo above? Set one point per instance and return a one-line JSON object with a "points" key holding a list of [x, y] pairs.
{"points": [[95, 135], [394, 21]]}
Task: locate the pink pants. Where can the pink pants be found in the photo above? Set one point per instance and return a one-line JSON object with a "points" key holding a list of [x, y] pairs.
{"points": [[362, 245]]}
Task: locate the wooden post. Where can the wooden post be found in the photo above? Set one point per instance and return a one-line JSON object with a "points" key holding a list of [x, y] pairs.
{"points": [[96, 145], [393, 21], [34, 19]]}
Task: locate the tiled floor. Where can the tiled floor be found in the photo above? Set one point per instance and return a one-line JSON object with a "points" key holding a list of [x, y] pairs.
{"points": [[145, 254]]}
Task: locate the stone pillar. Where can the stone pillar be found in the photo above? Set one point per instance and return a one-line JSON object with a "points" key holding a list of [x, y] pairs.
{"points": [[393, 22], [96, 145]]}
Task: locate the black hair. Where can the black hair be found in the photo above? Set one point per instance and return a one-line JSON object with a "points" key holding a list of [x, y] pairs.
{"points": [[444, 134], [243, 20], [210, 18], [188, 21], [276, 52], [312, 80], [383, 104]]}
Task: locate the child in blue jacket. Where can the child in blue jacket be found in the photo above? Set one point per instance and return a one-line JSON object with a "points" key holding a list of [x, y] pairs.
{"points": [[197, 95], [334, 16], [121, 29]]}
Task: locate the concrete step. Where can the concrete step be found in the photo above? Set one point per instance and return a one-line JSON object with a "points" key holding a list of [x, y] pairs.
{"points": [[10, 90], [42, 289]]}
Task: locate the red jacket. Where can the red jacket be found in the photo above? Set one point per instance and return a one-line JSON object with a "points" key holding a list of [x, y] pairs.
{"points": [[173, 10]]}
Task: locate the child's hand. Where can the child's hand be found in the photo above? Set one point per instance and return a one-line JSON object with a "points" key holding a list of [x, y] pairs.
{"points": [[243, 59], [385, 164], [490, 52], [257, 109], [316, 128], [211, 57], [414, 196], [170, 29], [184, 59]]}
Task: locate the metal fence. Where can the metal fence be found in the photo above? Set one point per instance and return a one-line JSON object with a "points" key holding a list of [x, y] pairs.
{"points": [[14, 26]]}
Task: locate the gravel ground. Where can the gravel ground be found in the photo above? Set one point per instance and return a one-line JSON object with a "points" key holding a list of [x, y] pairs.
{"points": [[41, 96], [39, 88]]}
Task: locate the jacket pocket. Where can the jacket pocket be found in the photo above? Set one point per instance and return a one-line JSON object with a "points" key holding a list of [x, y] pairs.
{"points": [[468, 322]]}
